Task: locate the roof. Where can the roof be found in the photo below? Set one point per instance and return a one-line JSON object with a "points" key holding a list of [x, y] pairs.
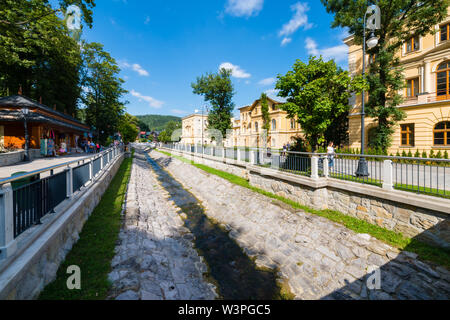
{"points": [[18, 101], [258, 100], [195, 115]]}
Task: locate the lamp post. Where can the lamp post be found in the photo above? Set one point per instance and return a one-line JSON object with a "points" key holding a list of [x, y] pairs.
{"points": [[372, 23], [25, 112]]}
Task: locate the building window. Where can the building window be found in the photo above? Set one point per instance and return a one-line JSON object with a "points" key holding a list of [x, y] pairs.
{"points": [[292, 124], [274, 107], [412, 87], [256, 126], [445, 32], [274, 125], [372, 58], [407, 133], [442, 134], [413, 44], [442, 81]]}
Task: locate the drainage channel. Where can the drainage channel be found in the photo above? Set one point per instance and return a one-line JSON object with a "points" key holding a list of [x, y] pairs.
{"points": [[236, 275]]}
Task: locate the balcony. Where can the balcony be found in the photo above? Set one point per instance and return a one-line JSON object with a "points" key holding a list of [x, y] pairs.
{"points": [[424, 98]]}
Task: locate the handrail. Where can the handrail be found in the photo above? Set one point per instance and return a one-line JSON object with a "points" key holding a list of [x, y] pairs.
{"points": [[65, 164]]}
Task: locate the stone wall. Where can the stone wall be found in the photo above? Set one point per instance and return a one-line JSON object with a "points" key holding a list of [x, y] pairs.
{"points": [[10, 158], [414, 215], [24, 275]]}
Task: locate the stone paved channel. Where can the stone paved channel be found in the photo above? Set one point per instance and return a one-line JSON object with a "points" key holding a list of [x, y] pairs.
{"points": [[319, 259], [155, 258]]}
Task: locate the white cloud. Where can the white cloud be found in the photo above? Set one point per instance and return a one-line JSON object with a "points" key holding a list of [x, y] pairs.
{"points": [[135, 67], [272, 93], [285, 41], [151, 101], [267, 82], [299, 19], [244, 8], [237, 72], [338, 53]]}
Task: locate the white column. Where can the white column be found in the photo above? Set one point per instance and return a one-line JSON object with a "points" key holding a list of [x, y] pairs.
{"points": [[101, 163], [69, 180], [315, 167], [388, 181], [7, 244], [91, 170], [427, 77], [325, 167], [223, 154], [252, 156]]}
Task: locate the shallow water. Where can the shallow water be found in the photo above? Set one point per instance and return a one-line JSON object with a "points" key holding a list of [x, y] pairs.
{"points": [[236, 276]]}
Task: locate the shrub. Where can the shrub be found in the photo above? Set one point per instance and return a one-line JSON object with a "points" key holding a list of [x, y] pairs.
{"points": [[446, 154], [439, 155], [410, 154], [417, 154], [424, 154], [432, 154]]}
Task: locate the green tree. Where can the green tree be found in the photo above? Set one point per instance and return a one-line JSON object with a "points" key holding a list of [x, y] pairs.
{"points": [[38, 55], [317, 93], [102, 91], [128, 127], [218, 90], [265, 112], [400, 20]]}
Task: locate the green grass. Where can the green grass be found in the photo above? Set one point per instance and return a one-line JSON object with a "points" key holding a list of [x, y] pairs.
{"points": [[423, 190], [425, 251], [95, 249]]}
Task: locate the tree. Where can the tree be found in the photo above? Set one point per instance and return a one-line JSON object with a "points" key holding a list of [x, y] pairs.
{"points": [[168, 134], [218, 90], [317, 93], [400, 20], [128, 127], [265, 112], [38, 55], [102, 91]]}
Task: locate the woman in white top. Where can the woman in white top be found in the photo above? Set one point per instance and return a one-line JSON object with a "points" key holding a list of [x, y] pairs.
{"points": [[331, 154]]}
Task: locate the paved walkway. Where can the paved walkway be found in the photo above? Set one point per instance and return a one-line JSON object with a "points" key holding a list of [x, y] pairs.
{"points": [[319, 259], [6, 171], [155, 257]]}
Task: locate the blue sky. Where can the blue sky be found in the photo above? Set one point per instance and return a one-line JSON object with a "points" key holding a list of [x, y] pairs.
{"points": [[162, 46]]}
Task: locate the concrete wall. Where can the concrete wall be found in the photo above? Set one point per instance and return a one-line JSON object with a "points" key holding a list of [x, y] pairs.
{"points": [[413, 215], [10, 158], [44, 248]]}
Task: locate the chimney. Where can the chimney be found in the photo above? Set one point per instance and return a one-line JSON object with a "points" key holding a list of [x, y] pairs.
{"points": [[20, 90]]}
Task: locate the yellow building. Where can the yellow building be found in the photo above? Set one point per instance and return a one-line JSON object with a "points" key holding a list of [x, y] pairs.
{"points": [[247, 131], [194, 129], [426, 63]]}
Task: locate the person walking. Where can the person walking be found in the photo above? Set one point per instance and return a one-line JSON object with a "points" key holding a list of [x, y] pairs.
{"points": [[331, 154]]}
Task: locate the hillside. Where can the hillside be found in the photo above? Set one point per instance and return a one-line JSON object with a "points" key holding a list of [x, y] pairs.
{"points": [[154, 122]]}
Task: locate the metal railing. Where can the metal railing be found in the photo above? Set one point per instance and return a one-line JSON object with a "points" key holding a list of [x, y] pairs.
{"points": [[29, 202], [429, 176]]}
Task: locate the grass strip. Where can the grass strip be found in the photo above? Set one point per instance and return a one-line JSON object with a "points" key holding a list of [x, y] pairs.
{"points": [[425, 251], [94, 250]]}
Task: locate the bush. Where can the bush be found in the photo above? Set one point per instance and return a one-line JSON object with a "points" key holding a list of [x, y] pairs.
{"points": [[424, 154], [446, 155], [417, 154], [439, 155], [432, 154]]}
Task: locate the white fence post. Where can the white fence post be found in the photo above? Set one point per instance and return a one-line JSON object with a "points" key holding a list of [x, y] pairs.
{"points": [[388, 181], [315, 167], [223, 153], [238, 154], [252, 156], [69, 180], [7, 244], [325, 167], [101, 162], [91, 170]]}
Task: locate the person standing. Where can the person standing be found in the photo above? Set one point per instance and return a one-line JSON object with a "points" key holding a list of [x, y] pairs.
{"points": [[331, 154]]}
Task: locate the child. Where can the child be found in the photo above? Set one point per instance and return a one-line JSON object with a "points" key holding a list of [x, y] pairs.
{"points": [[331, 154]]}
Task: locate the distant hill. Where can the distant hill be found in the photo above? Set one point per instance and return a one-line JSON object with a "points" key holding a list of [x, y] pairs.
{"points": [[154, 122]]}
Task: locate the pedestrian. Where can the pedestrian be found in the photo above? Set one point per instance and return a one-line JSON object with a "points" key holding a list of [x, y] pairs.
{"points": [[288, 146], [284, 150], [331, 154]]}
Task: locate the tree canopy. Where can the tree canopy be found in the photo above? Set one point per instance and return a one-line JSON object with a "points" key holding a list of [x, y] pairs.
{"points": [[317, 93], [103, 90], [218, 90], [400, 20]]}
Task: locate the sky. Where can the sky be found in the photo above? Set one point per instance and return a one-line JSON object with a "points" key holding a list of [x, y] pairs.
{"points": [[163, 46]]}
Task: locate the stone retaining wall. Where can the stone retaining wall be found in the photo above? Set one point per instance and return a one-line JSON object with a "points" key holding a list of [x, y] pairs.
{"points": [[409, 213], [9, 158], [24, 275]]}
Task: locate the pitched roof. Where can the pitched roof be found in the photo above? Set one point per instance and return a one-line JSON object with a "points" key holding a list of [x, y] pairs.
{"points": [[18, 101]]}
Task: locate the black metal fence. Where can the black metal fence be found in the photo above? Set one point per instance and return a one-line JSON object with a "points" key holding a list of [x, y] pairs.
{"points": [[34, 200]]}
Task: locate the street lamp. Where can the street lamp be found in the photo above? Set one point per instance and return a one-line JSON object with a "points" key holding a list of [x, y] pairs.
{"points": [[372, 23], [25, 112]]}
